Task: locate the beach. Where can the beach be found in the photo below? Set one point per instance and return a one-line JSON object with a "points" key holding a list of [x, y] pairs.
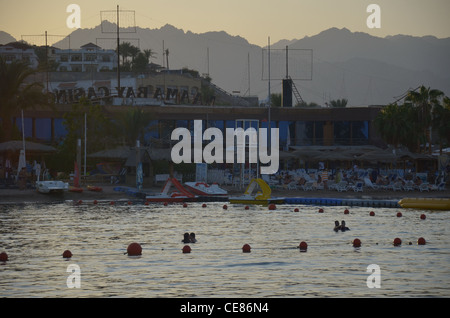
{"points": [[109, 193]]}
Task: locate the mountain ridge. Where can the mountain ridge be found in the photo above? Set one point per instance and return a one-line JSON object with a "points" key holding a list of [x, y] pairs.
{"points": [[346, 64]]}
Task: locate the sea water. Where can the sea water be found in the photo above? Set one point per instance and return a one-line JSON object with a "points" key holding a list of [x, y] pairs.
{"points": [[35, 236]]}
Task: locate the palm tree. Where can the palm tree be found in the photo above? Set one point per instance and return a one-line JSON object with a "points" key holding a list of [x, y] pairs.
{"points": [[424, 101], [16, 94], [341, 103], [133, 125], [441, 122]]}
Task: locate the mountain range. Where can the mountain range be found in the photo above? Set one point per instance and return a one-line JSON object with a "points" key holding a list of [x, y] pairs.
{"points": [[333, 64]]}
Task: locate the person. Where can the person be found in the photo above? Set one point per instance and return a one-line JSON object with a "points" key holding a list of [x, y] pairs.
{"points": [[337, 227], [192, 238], [186, 238], [343, 227]]}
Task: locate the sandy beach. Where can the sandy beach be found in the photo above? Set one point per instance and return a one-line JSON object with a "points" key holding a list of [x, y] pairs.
{"points": [[30, 195]]}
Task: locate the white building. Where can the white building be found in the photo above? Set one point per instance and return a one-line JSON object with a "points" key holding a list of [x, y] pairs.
{"points": [[10, 54], [89, 58]]}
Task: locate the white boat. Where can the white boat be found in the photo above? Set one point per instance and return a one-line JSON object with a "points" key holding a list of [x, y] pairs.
{"points": [[204, 189], [51, 186]]}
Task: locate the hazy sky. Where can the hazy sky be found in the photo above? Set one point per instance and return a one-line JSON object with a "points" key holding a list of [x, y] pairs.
{"points": [[255, 20]]}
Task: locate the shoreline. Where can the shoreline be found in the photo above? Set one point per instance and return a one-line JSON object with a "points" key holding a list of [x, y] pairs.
{"points": [[16, 196]]}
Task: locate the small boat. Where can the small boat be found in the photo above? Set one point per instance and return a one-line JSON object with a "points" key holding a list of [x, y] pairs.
{"points": [[204, 189], [95, 188], [51, 186], [425, 203], [181, 196], [260, 198]]}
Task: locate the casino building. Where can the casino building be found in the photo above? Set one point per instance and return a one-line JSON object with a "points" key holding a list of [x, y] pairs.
{"points": [[176, 98]]}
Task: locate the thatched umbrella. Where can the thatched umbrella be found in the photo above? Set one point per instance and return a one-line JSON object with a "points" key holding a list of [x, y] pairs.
{"points": [[16, 146]]}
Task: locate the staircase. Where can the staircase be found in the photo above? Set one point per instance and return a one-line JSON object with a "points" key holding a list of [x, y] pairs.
{"points": [[297, 95]]}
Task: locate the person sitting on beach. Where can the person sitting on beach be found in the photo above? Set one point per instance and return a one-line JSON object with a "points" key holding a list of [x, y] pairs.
{"points": [[343, 227], [192, 238], [186, 238], [337, 227]]}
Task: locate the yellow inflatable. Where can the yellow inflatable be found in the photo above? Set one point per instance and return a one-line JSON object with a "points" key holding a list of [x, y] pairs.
{"points": [[261, 198], [425, 203]]}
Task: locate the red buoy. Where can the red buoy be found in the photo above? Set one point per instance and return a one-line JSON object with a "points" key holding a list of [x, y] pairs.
{"points": [[399, 214], [3, 257], [421, 241], [165, 203], [346, 211], [372, 213], [303, 246], [296, 210], [356, 242], [186, 249], [130, 203], [146, 203], [247, 207], [134, 249], [397, 242], [67, 254], [112, 203], [95, 201], [225, 207], [272, 207], [423, 216], [246, 248], [184, 205], [204, 205], [320, 210]]}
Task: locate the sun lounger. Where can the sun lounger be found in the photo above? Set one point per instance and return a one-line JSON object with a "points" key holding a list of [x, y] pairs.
{"points": [[358, 187], [424, 187], [342, 186], [397, 186], [308, 186], [409, 186]]}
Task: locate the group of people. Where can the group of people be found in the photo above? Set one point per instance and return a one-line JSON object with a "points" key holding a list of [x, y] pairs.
{"points": [[340, 227], [189, 238]]}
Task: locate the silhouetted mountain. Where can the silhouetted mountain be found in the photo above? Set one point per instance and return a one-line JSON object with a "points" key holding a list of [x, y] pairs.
{"points": [[6, 38], [362, 68]]}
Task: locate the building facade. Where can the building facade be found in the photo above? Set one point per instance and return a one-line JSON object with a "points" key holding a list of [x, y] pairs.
{"points": [[10, 54], [89, 58]]}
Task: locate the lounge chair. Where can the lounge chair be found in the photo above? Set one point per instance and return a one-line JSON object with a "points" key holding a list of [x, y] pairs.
{"points": [[424, 187], [308, 186], [397, 186], [342, 186], [409, 186], [292, 185], [440, 187], [358, 187], [369, 184]]}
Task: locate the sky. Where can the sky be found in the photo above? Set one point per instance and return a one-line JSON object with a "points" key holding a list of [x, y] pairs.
{"points": [[254, 20]]}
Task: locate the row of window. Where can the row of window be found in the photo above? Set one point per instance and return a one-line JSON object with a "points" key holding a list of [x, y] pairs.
{"points": [[291, 132]]}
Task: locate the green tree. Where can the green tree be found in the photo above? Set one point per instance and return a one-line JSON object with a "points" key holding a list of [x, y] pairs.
{"points": [[275, 100], [340, 103], [132, 126], [17, 94], [423, 101], [441, 122]]}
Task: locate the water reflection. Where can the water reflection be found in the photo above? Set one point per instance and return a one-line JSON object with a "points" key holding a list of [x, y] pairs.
{"points": [[35, 236]]}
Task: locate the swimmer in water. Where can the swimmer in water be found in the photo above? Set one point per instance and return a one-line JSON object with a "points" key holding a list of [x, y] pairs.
{"points": [[192, 238], [337, 227], [186, 239], [343, 227]]}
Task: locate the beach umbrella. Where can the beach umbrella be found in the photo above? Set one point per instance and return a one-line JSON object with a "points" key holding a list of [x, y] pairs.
{"points": [[22, 162], [16, 145], [139, 176]]}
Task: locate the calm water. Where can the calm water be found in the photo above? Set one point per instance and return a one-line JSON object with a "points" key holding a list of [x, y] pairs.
{"points": [[35, 236]]}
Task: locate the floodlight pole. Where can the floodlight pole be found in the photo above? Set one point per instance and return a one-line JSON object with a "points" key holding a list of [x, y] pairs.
{"points": [[118, 53]]}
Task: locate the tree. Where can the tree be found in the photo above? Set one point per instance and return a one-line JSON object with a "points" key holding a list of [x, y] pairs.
{"points": [[441, 122], [392, 124], [424, 102], [16, 94], [340, 103], [132, 126]]}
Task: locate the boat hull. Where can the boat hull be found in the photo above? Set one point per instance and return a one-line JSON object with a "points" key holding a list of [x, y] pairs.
{"points": [[47, 187], [425, 203]]}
